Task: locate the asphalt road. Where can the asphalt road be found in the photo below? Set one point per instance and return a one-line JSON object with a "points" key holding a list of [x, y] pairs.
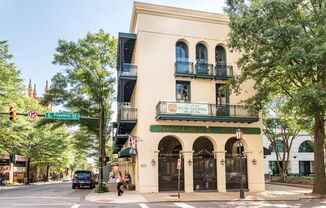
{"points": [[62, 196]]}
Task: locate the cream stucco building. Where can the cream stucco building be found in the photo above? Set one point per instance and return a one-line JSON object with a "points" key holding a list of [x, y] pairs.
{"points": [[172, 66]]}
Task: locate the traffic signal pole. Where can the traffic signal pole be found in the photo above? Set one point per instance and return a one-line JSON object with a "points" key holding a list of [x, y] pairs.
{"points": [[101, 143]]}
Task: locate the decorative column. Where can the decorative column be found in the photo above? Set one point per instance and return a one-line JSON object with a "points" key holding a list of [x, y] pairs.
{"points": [[255, 170], [155, 170], [220, 170], [188, 171]]}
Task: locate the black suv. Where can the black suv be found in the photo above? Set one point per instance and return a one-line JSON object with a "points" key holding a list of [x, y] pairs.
{"points": [[83, 178]]}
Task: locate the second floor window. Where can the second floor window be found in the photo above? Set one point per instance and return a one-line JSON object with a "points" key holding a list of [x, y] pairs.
{"points": [[201, 54], [183, 91], [181, 52]]}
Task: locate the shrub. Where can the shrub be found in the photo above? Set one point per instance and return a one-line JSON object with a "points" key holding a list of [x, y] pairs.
{"points": [[105, 188]]}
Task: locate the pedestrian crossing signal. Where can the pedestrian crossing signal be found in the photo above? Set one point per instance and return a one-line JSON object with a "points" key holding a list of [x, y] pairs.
{"points": [[12, 113]]}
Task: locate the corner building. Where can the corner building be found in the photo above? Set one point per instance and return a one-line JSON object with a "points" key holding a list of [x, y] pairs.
{"points": [[172, 67]]}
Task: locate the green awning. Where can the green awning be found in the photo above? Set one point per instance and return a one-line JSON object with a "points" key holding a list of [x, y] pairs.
{"points": [[124, 153]]}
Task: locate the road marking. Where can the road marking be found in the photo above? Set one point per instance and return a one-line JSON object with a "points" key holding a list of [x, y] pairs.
{"points": [[75, 206], [184, 205], [143, 206]]}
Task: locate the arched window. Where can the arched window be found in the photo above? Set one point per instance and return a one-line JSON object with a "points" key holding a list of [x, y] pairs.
{"points": [[181, 51], [306, 146], [201, 54], [279, 146], [220, 55]]}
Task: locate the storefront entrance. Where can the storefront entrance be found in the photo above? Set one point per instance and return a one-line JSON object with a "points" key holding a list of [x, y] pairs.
{"points": [[232, 165], [170, 148], [204, 165]]}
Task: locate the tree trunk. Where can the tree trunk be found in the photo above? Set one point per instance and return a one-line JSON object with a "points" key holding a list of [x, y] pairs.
{"points": [[47, 172], [28, 165], [319, 167]]}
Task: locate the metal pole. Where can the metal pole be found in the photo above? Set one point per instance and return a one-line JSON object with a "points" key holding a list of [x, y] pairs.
{"points": [[240, 164], [101, 147]]}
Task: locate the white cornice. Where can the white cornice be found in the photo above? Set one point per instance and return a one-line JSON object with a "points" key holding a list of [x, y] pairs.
{"points": [[174, 12]]}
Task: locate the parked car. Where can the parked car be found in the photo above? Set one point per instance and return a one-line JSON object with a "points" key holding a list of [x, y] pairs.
{"points": [[83, 178]]}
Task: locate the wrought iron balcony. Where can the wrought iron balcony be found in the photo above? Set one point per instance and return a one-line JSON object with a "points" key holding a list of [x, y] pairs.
{"points": [[223, 71], [128, 71], [184, 69], [127, 113], [176, 110], [204, 70], [127, 118]]}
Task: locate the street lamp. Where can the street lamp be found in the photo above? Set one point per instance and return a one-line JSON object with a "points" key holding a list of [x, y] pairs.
{"points": [[239, 137]]}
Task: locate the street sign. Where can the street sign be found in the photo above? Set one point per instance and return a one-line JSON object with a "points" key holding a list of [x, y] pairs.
{"points": [[62, 116], [179, 164], [32, 114]]}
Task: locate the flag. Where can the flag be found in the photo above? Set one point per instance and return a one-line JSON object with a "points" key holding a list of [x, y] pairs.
{"points": [[133, 145]]}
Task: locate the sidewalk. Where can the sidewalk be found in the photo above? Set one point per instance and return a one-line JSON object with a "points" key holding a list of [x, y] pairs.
{"points": [[135, 197], [21, 185]]}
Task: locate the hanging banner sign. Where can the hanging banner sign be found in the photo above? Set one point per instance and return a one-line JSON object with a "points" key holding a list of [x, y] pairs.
{"points": [[188, 108]]}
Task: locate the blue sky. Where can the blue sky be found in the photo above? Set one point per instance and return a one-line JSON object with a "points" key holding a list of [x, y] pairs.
{"points": [[34, 27]]}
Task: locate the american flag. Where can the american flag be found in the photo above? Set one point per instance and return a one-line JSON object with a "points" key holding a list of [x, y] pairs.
{"points": [[133, 145]]}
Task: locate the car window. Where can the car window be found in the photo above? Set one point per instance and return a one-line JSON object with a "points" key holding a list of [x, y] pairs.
{"points": [[83, 174]]}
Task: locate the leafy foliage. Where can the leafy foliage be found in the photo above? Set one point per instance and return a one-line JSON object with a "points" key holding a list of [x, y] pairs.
{"points": [[283, 46], [87, 84]]}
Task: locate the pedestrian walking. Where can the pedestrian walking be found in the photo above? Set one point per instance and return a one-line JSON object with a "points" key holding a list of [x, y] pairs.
{"points": [[270, 172], [119, 181]]}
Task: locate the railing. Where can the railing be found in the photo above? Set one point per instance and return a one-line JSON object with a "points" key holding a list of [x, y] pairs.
{"points": [[202, 109], [126, 112], [204, 69], [223, 71], [184, 68], [128, 70]]}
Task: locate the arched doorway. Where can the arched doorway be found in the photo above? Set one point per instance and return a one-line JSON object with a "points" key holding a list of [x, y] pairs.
{"points": [[170, 148], [204, 165], [232, 165]]}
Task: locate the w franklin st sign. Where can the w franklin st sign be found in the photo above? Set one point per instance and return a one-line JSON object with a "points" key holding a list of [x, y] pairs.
{"points": [[62, 116]]}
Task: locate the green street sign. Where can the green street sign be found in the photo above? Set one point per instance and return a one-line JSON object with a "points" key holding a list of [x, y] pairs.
{"points": [[62, 116]]}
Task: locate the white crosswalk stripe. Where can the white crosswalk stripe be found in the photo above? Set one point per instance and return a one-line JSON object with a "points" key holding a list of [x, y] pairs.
{"points": [[184, 205], [143, 206]]}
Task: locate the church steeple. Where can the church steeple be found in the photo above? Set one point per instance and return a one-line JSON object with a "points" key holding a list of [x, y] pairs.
{"points": [[30, 89], [34, 92], [46, 89]]}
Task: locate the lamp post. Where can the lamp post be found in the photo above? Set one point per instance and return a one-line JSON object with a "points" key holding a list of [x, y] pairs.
{"points": [[239, 137]]}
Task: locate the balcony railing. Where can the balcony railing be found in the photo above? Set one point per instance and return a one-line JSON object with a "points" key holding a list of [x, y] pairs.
{"points": [[127, 113], [128, 70], [184, 68], [204, 70], [174, 110], [223, 71]]}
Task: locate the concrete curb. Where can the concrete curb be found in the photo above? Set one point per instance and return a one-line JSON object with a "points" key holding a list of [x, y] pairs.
{"points": [[291, 184]]}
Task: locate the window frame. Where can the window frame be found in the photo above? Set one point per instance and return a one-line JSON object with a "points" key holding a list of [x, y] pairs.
{"points": [[189, 90]]}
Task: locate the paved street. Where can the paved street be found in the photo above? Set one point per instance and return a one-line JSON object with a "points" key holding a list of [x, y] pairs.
{"points": [[62, 196]]}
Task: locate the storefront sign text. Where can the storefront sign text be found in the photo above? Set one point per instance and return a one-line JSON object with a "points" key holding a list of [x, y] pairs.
{"points": [[202, 129]]}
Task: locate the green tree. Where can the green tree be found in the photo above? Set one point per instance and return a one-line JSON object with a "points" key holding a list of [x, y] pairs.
{"points": [[283, 45], [281, 127], [87, 86]]}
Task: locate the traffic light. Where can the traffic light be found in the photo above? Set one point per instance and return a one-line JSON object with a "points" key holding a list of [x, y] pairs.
{"points": [[104, 159], [13, 158], [12, 113]]}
